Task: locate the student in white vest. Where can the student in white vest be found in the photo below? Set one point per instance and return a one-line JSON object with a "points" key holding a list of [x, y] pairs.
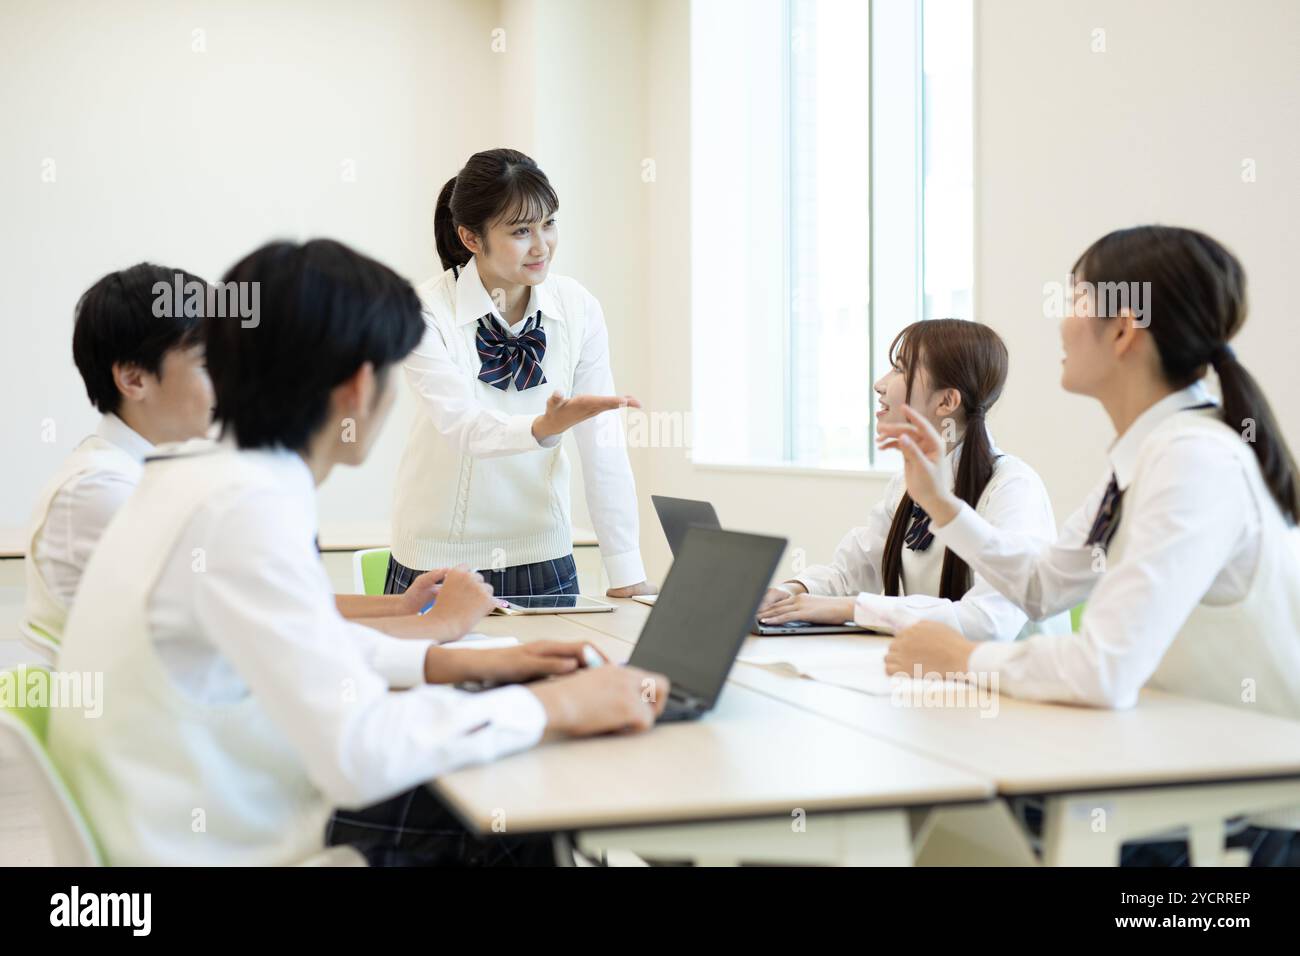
{"points": [[1186, 550], [513, 356], [889, 572], [144, 371], [239, 705]]}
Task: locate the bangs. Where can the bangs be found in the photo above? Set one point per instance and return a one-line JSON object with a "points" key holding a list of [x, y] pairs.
{"points": [[528, 198], [904, 349]]}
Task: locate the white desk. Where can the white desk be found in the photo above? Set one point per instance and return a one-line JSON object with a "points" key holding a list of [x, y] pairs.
{"points": [[754, 780], [1107, 775]]}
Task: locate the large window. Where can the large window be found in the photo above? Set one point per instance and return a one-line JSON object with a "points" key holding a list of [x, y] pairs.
{"points": [[831, 206]]}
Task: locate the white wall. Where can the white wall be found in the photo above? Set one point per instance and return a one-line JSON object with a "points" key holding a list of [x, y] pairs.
{"points": [[1072, 144], [1069, 144], [194, 158]]}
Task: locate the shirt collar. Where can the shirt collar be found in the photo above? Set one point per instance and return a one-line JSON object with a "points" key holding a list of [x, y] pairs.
{"points": [[117, 432], [473, 301], [1124, 450]]}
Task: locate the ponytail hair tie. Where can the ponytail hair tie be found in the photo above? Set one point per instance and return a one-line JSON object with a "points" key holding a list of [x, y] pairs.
{"points": [[1222, 354]]}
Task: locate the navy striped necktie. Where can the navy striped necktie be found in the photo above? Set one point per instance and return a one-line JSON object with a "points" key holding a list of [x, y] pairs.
{"points": [[1106, 523], [507, 358], [919, 536]]}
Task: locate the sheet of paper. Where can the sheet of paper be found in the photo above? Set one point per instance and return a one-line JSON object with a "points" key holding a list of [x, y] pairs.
{"points": [[857, 663], [843, 660], [481, 642]]}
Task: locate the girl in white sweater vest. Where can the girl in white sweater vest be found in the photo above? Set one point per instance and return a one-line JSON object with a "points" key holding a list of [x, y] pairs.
{"points": [[512, 357]]}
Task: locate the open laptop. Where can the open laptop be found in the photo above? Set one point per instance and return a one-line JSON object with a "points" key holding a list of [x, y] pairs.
{"points": [[710, 596], [676, 515]]}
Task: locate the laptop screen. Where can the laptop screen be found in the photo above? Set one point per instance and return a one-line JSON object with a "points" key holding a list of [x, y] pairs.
{"points": [[678, 514], [706, 608]]}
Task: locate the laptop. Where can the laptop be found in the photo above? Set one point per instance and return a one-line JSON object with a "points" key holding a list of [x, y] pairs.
{"points": [[676, 515], [710, 596]]}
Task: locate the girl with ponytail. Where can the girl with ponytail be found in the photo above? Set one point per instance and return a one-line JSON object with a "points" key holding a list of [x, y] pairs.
{"points": [[1185, 551], [887, 573], [513, 357]]}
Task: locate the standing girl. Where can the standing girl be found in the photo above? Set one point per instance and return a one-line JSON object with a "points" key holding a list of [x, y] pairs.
{"points": [[483, 481]]}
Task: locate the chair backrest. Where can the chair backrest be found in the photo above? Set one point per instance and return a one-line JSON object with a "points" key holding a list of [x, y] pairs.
{"points": [[39, 640], [369, 570], [23, 727]]}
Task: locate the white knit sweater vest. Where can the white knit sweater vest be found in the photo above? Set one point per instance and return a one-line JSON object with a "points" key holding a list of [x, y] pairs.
{"points": [[451, 508], [162, 778]]}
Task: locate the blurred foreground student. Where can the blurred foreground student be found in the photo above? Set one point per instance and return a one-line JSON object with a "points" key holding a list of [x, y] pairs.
{"points": [[1186, 550], [889, 572], [239, 706]]}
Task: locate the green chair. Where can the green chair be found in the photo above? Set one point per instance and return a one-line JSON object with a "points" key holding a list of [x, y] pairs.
{"points": [[369, 570], [1076, 616], [24, 729], [39, 640]]}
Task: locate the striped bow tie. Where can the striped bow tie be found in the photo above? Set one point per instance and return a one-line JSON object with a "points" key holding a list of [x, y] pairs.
{"points": [[919, 536], [506, 358], [1107, 520]]}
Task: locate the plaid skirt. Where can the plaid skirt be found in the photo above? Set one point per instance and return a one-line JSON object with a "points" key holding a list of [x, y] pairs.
{"points": [[558, 576]]}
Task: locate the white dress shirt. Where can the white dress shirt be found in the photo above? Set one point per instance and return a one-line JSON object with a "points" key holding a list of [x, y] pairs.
{"points": [[83, 507], [1014, 498], [1191, 535], [251, 611], [482, 422]]}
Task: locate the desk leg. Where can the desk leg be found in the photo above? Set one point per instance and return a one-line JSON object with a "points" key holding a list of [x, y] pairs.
{"points": [[1087, 829], [867, 838]]}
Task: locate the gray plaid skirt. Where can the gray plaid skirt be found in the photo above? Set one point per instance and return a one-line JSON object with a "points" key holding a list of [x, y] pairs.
{"points": [[558, 576]]}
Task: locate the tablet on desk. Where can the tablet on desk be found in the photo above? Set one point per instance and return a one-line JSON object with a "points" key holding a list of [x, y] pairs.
{"points": [[551, 604], [808, 627]]}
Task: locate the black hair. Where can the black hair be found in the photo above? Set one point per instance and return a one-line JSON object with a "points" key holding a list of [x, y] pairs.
{"points": [[495, 185], [133, 317], [323, 310], [971, 358], [1197, 295]]}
